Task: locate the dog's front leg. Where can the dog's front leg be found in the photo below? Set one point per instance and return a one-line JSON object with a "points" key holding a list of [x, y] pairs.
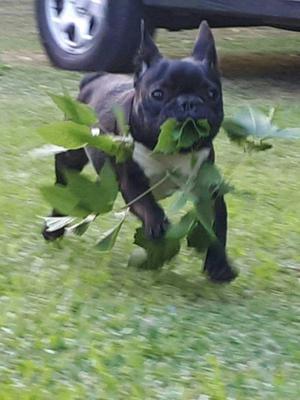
{"points": [[133, 183], [68, 160], [216, 263]]}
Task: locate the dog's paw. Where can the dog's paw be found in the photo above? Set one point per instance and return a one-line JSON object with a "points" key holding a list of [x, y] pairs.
{"points": [[217, 267], [156, 225], [221, 273], [50, 236]]}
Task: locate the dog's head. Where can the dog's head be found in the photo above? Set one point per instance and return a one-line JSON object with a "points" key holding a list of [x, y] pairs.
{"points": [[178, 89]]}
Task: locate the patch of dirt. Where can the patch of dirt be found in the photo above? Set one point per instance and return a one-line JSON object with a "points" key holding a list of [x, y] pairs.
{"points": [[285, 67], [25, 57]]}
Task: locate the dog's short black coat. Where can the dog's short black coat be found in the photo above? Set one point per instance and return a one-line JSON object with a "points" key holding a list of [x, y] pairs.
{"points": [[160, 89]]}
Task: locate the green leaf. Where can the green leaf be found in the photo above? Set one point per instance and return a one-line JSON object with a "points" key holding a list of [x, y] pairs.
{"points": [[80, 228], [205, 214], [198, 238], [66, 134], [124, 152], [249, 122], [175, 136], [158, 251], [224, 188], [112, 145], [87, 193], [201, 189], [258, 124], [106, 143], [192, 132], [74, 110], [109, 185], [180, 200], [109, 238], [166, 143], [62, 200], [249, 128], [123, 127], [176, 133], [207, 181], [82, 196], [188, 137], [55, 223], [288, 133], [97, 197], [47, 150], [207, 185], [182, 228], [235, 131], [210, 183], [203, 127], [70, 135]]}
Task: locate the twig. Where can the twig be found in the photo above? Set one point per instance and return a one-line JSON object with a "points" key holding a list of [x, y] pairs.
{"points": [[160, 182]]}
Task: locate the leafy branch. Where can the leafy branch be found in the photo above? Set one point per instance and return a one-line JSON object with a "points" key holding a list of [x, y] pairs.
{"points": [[84, 199], [252, 129]]}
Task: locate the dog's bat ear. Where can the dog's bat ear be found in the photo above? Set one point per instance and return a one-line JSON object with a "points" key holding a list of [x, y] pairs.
{"points": [[148, 53], [205, 49]]}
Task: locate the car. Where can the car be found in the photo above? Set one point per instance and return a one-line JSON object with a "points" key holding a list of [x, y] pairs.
{"points": [[92, 35]]}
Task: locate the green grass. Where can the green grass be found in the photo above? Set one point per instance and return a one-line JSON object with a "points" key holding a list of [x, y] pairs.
{"points": [[75, 324]]}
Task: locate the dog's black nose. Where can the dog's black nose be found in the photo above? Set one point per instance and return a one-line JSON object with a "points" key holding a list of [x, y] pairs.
{"points": [[189, 106]]}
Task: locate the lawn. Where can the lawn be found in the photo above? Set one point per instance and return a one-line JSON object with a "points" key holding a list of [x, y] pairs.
{"points": [[77, 324]]}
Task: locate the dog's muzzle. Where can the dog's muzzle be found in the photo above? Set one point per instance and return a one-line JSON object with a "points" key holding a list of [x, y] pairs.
{"points": [[190, 106]]}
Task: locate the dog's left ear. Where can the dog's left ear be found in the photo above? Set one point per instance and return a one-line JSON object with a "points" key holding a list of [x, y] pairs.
{"points": [[205, 49], [148, 53]]}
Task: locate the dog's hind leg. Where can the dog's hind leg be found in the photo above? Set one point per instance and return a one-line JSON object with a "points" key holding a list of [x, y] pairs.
{"points": [[216, 263], [69, 160]]}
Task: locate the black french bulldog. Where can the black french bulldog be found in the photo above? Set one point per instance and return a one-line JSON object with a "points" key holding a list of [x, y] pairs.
{"points": [[160, 89]]}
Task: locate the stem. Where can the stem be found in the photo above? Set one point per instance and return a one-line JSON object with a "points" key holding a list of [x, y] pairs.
{"points": [[253, 119], [272, 113], [160, 182]]}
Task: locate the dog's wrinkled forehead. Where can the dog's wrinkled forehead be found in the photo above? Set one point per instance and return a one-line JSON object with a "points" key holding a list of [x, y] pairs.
{"points": [[184, 75]]}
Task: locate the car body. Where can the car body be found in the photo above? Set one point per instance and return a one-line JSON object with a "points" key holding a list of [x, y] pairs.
{"points": [[225, 13], [90, 35]]}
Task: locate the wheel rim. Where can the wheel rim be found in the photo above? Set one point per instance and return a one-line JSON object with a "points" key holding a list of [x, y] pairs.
{"points": [[75, 24]]}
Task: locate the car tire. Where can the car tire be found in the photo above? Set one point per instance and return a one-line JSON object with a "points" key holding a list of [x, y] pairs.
{"points": [[111, 45]]}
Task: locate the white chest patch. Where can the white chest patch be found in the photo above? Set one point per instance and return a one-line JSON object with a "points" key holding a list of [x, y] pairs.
{"points": [[155, 166]]}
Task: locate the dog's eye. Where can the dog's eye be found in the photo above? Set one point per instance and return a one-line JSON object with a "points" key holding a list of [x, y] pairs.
{"points": [[213, 94], [157, 94]]}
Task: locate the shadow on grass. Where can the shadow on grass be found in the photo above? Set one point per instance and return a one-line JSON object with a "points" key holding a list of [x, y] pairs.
{"points": [[171, 284]]}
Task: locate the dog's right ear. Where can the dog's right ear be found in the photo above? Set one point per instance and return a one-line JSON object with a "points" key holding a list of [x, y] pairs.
{"points": [[148, 53]]}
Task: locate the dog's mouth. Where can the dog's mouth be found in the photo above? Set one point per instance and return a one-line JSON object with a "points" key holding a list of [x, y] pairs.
{"points": [[182, 137], [191, 133]]}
